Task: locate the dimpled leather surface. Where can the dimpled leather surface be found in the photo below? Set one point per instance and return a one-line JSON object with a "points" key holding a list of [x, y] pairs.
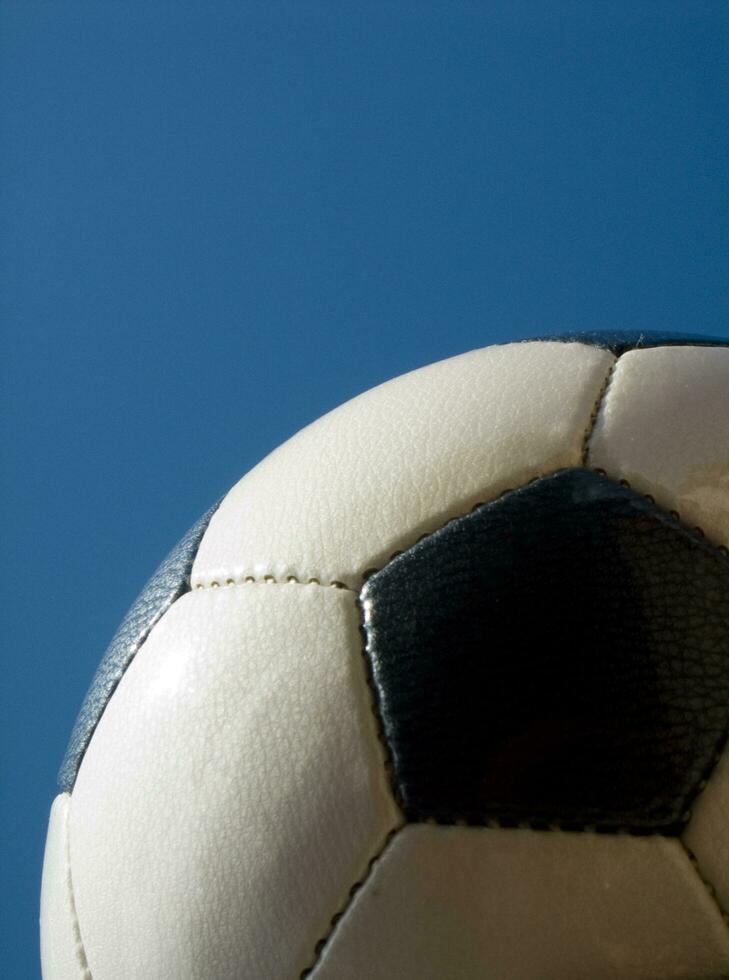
{"points": [[233, 791], [368, 478], [664, 426], [469, 903], [62, 956], [707, 834], [564, 659], [169, 582], [215, 840]]}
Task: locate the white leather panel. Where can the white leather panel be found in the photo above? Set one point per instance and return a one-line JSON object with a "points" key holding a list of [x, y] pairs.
{"points": [[707, 834], [664, 426], [62, 954], [468, 903], [233, 790], [398, 461]]}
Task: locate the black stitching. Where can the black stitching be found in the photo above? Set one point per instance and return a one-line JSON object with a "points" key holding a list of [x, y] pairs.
{"points": [[321, 943]]}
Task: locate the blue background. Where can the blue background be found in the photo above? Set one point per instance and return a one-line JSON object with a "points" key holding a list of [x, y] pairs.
{"points": [[219, 221]]}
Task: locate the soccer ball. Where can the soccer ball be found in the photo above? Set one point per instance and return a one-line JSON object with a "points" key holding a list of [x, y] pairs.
{"points": [[438, 691]]}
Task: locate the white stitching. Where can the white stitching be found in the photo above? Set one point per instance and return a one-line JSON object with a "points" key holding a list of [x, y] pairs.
{"points": [[226, 581]]}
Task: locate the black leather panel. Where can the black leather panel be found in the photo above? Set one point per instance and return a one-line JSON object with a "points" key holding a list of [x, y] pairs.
{"points": [[560, 655], [169, 582], [620, 341]]}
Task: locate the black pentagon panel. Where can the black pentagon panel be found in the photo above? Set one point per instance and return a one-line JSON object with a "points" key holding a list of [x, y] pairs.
{"points": [[169, 582], [620, 341], [559, 656]]}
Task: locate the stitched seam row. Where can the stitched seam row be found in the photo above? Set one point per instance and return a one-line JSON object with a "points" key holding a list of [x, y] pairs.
{"points": [[319, 947], [600, 401], [272, 580], [445, 819], [292, 579], [705, 881], [79, 951], [554, 827]]}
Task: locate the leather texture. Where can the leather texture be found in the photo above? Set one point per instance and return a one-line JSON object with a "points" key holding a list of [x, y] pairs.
{"points": [[469, 903], [564, 659], [169, 582], [233, 791], [664, 426], [621, 341], [62, 954], [707, 833], [367, 479]]}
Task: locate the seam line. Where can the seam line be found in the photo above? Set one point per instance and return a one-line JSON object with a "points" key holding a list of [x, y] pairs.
{"points": [[705, 881], [720, 548], [272, 580], [592, 422], [80, 952], [320, 945]]}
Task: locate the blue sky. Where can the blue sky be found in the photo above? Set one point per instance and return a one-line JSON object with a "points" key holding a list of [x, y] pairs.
{"points": [[218, 221]]}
